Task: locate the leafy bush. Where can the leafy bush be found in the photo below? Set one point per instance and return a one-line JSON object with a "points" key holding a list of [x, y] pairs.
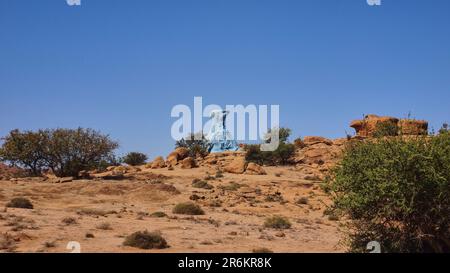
{"points": [[158, 214], [104, 226], [383, 129], [299, 144], [232, 186], [69, 221], [20, 202], [284, 134], [277, 222], [302, 201], [135, 159], [196, 144], [396, 191], [25, 149], [145, 240], [200, 184], [188, 208], [64, 151], [281, 156], [444, 129]]}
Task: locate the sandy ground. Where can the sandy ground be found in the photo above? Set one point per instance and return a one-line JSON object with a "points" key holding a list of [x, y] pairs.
{"points": [[233, 220]]}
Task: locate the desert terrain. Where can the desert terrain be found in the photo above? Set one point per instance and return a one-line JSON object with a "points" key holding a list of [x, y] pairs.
{"points": [[109, 210]]}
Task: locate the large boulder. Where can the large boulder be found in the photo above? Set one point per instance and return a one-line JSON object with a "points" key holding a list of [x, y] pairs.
{"points": [[368, 126], [237, 165], [158, 163], [255, 169], [188, 163], [413, 127], [177, 155]]}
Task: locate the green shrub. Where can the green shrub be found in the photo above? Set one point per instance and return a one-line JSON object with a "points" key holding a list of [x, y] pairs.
{"points": [[281, 156], [69, 221], [64, 151], [302, 201], [232, 186], [104, 226], [196, 144], [135, 159], [277, 222], [262, 250], [20, 202], [200, 184], [384, 129], [395, 191], [158, 214], [299, 144], [188, 208], [444, 129], [146, 240]]}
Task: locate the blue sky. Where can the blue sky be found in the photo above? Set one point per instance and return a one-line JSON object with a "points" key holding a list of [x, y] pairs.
{"points": [[119, 66]]}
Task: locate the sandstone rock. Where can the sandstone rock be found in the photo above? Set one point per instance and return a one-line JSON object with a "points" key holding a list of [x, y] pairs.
{"points": [[340, 141], [413, 127], [179, 154], [122, 169], [84, 174], [311, 140], [61, 180], [158, 163], [237, 166], [188, 163], [255, 169], [367, 127], [110, 168]]}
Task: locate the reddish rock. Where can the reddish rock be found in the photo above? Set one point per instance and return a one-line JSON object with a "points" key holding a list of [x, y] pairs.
{"points": [[255, 169], [367, 126], [188, 163], [158, 163], [179, 154], [413, 127], [311, 140], [237, 165]]}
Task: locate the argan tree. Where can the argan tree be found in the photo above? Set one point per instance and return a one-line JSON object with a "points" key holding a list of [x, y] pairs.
{"points": [[64, 151]]}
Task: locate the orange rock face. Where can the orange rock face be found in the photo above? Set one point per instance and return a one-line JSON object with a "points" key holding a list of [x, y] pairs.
{"points": [[413, 127], [255, 169], [188, 163], [179, 154], [367, 126]]}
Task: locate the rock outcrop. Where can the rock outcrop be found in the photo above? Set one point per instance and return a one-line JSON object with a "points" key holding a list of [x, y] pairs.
{"points": [[158, 163], [311, 140], [368, 126], [188, 163], [237, 166], [176, 156], [413, 127]]}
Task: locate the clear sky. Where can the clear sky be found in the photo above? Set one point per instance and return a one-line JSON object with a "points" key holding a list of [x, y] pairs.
{"points": [[119, 66]]}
